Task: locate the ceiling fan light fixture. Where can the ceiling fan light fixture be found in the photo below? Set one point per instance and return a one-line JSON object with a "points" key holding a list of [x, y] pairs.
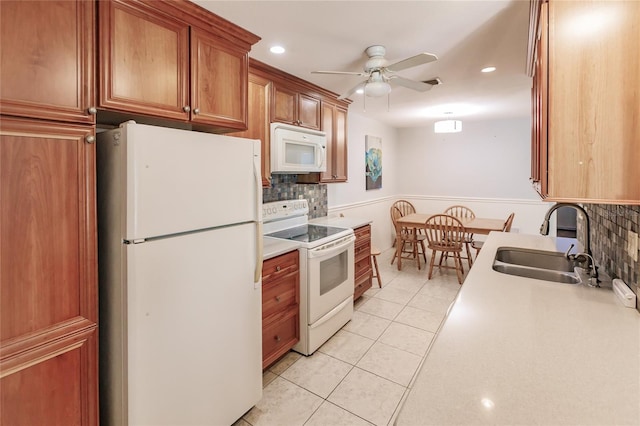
{"points": [[377, 88], [447, 126]]}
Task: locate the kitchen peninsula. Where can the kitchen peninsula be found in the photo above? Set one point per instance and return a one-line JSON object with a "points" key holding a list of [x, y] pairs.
{"points": [[516, 350]]}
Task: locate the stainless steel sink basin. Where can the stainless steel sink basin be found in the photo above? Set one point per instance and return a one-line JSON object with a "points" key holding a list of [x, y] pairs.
{"points": [[552, 260], [537, 264]]}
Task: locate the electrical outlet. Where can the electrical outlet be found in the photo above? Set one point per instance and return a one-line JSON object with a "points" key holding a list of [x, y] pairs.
{"points": [[632, 245]]}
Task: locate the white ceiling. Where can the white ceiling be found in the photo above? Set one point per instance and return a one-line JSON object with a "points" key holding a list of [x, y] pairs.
{"points": [[465, 35]]}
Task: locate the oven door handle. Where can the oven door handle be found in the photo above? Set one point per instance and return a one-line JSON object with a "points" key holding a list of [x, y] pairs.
{"points": [[331, 249]]}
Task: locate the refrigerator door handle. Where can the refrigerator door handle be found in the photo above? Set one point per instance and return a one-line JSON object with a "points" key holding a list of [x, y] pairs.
{"points": [[259, 248]]}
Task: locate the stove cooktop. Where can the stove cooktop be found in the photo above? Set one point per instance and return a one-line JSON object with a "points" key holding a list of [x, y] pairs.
{"points": [[306, 233]]}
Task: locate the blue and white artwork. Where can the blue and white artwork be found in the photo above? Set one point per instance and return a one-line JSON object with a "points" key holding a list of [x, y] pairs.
{"points": [[373, 162]]}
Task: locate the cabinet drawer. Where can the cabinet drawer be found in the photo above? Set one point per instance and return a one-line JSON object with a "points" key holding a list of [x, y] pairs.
{"points": [[278, 266], [281, 294], [362, 284], [280, 336], [363, 232], [362, 251], [362, 266]]}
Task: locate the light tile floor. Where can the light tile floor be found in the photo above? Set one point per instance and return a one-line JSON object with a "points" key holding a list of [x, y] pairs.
{"points": [[361, 375]]}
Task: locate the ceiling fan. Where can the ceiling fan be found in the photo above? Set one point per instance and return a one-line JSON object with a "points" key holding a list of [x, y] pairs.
{"points": [[381, 77]]}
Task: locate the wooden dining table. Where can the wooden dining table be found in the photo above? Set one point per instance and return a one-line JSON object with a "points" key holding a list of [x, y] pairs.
{"points": [[477, 225]]}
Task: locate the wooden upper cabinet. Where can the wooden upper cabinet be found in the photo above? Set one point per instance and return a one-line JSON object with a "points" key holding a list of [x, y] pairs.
{"points": [[294, 107], [590, 78], [334, 124], [260, 90], [144, 60], [47, 59], [308, 111], [219, 75], [173, 60], [48, 278]]}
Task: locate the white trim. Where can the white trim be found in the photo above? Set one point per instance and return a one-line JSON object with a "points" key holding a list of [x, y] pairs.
{"points": [[363, 203]]}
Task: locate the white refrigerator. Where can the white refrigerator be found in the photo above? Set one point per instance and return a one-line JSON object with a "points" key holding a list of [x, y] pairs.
{"points": [[180, 259]]}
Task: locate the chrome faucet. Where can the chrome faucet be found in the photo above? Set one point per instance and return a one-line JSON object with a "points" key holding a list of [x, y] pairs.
{"points": [[583, 258]]}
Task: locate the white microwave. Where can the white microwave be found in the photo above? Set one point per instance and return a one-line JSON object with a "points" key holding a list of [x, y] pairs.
{"points": [[297, 150]]}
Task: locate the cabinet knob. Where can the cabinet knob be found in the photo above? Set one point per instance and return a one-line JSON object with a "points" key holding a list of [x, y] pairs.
{"points": [[196, 111], [276, 338], [92, 110], [186, 108], [278, 299], [90, 139], [278, 268]]}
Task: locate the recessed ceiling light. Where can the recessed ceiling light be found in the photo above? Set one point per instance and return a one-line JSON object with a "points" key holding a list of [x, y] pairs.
{"points": [[488, 69], [277, 50]]}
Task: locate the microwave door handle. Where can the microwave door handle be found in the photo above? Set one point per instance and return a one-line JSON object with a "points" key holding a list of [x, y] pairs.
{"points": [[323, 157]]}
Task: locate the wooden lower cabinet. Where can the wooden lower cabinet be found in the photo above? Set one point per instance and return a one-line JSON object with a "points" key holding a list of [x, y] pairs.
{"points": [[48, 281], [280, 306], [362, 257]]}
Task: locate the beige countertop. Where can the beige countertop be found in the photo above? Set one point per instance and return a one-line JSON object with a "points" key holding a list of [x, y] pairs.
{"points": [[521, 351], [341, 222], [273, 247]]}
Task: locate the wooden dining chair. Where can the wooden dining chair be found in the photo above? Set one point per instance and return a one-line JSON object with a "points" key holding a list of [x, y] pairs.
{"points": [[463, 212], [477, 245], [411, 243], [445, 234], [405, 208]]}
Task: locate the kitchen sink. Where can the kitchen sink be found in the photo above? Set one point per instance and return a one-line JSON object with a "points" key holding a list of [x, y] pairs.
{"points": [[542, 259], [537, 264]]}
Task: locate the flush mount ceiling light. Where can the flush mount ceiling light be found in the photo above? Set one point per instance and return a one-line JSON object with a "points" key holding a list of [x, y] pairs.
{"points": [[376, 86], [447, 126], [277, 50], [488, 69]]}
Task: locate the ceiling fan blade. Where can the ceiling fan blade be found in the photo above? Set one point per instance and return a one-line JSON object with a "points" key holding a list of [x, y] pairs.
{"points": [[351, 91], [410, 84], [422, 58], [339, 72]]}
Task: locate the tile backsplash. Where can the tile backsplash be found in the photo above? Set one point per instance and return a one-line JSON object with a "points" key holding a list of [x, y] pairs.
{"points": [[284, 187], [610, 226]]}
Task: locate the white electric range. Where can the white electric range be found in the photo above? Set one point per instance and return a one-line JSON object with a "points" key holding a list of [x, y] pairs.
{"points": [[326, 270]]}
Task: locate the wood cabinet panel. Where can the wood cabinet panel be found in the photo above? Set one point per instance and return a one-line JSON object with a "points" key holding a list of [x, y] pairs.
{"points": [[285, 105], [47, 59], [218, 82], [48, 282], [308, 111], [150, 75], [280, 306], [363, 273], [584, 140], [593, 143], [339, 158], [58, 390], [47, 223], [259, 119]]}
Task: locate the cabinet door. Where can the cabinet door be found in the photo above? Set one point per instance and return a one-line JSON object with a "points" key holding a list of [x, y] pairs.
{"points": [[46, 62], [339, 157], [328, 128], [308, 111], [219, 75], [285, 105], [259, 121], [144, 60], [48, 309], [593, 103]]}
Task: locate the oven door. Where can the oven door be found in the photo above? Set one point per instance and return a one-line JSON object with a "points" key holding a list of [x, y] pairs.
{"points": [[330, 270]]}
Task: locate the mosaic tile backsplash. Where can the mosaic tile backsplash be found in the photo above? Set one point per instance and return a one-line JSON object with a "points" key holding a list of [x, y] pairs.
{"points": [[609, 236], [284, 187]]}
